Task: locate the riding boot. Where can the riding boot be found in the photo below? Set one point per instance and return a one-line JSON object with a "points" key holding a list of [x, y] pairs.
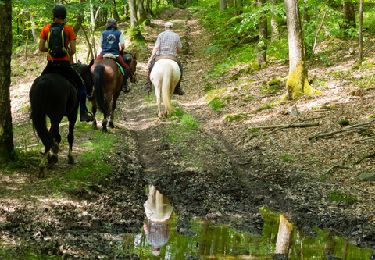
{"points": [[125, 85], [85, 115], [178, 90], [147, 86]]}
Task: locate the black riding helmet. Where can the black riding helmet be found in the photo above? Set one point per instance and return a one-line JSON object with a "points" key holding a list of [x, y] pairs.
{"points": [[111, 23], [59, 11]]}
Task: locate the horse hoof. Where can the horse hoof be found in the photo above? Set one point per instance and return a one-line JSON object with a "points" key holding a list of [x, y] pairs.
{"points": [[52, 159], [70, 160], [42, 173]]}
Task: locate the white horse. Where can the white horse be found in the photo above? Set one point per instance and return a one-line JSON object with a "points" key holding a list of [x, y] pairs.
{"points": [[164, 76]]}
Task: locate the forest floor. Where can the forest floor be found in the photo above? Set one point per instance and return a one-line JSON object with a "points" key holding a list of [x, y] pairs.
{"points": [[223, 163]]}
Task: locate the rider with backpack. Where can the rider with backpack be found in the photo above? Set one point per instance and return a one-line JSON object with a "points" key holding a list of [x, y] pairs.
{"points": [[61, 45], [113, 43]]}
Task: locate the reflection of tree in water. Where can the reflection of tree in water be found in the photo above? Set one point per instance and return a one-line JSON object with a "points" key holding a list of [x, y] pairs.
{"points": [[158, 211]]}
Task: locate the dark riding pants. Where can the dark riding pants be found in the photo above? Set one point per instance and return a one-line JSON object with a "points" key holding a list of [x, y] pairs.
{"points": [[66, 70]]}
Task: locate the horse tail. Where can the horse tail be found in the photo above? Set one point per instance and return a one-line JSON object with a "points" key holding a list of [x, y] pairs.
{"points": [[167, 90], [38, 115], [98, 85]]}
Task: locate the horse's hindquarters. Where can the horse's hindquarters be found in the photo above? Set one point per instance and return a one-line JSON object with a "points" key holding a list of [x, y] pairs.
{"points": [[165, 76]]}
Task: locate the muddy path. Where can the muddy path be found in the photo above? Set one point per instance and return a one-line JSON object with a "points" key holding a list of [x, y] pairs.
{"points": [[206, 169], [194, 158]]}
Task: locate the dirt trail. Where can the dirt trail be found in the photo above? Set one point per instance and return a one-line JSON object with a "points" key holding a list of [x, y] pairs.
{"points": [[204, 170], [220, 179]]}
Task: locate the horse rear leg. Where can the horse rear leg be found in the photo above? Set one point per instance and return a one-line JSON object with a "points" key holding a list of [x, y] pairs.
{"points": [[72, 120], [112, 113], [158, 98], [94, 108], [55, 134]]}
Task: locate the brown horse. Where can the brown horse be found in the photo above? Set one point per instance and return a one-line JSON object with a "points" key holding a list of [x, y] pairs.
{"points": [[108, 80]]}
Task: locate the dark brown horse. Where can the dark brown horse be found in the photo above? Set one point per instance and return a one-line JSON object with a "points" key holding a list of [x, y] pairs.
{"points": [[54, 96], [108, 80]]}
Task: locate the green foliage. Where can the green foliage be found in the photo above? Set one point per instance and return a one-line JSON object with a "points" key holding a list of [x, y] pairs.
{"points": [[343, 121], [265, 106], [187, 121], [235, 117], [286, 158], [216, 104], [341, 197]]}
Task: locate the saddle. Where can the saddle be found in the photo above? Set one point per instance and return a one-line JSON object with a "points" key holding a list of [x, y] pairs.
{"points": [[169, 57], [114, 57]]}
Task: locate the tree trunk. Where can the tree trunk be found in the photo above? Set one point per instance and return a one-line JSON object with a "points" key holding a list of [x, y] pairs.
{"points": [[262, 46], [33, 27], [133, 14], [92, 28], [6, 127], [141, 11], [126, 9], [297, 83], [223, 5], [275, 34], [115, 13], [360, 34], [349, 14]]}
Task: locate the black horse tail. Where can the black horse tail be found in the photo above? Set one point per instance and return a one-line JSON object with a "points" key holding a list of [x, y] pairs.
{"points": [[99, 85], [38, 115]]}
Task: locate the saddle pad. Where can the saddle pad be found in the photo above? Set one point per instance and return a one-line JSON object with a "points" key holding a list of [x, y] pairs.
{"points": [[121, 68], [109, 56]]}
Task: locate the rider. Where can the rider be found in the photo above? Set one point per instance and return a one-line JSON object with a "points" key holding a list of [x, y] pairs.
{"points": [[113, 42], [167, 46], [62, 63]]}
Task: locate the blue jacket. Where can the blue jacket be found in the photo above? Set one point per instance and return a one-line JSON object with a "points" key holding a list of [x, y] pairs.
{"points": [[110, 41]]}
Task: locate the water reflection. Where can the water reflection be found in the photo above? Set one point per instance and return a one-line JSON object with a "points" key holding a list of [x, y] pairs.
{"points": [[159, 239], [158, 212]]}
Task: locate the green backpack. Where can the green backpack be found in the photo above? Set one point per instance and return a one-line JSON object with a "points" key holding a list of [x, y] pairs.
{"points": [[56, 41]]}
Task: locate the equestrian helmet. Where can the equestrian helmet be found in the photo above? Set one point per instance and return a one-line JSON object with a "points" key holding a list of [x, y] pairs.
{"points": [[59, 11], [111, 23]]}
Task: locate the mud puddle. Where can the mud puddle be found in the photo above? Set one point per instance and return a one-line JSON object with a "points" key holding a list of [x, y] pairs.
{"points": [[162, 238]]}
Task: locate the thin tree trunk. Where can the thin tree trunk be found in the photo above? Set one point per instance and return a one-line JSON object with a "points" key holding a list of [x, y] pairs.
{"points": [[92, 27], [262, 36], [33, 27], [360, 34], [297, 83], [133, 14], [349, 14], [275, 34], [141, 11], [6, 126], [126, 8], [115, 13], [317, 32], [223, 5]]}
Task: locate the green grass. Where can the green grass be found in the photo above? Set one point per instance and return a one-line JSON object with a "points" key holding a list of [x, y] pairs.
{"points": [[235, 117], [265, 107], [286, 158], [341, 197], [216, 104]]}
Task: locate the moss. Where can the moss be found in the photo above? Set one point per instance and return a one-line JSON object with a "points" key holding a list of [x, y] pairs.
{"points": [[298, 83]]}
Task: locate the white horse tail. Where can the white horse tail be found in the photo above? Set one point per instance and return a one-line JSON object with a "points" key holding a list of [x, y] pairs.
{"points": [[167, 88]]}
